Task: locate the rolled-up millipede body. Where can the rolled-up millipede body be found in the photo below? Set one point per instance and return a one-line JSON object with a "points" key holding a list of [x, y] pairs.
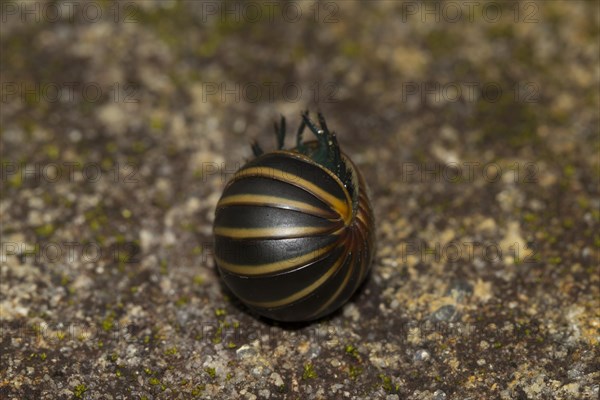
{"points": [[293, 241]]}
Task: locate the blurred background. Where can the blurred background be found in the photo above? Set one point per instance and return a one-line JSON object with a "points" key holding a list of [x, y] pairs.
{"points": [[475, 125]]}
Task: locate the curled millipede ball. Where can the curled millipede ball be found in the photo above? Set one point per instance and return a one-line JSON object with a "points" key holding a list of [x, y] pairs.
{"points": [[294, 229]]}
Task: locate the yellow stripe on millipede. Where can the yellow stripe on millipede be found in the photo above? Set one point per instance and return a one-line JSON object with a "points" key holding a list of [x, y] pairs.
{"points": [[272, 201], [277, 232], [268, 172], [279, 266], [339, 290], [301, 293]]}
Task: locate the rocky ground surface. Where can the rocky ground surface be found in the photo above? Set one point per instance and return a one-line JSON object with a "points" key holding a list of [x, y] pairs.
{"points": [[476, 127]]}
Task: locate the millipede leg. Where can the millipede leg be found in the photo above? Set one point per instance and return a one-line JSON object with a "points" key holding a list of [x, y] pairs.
{"points": [[318, 132], [323, 123], [280, 132], [333, 149], [299, 143], [256, 149]]}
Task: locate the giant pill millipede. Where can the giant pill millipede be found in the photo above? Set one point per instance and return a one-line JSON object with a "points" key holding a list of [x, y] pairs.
{"points": [[294, 229]]}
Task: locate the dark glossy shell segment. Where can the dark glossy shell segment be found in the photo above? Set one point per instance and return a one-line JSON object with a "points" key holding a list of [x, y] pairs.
{"points": [[291, 241]]}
